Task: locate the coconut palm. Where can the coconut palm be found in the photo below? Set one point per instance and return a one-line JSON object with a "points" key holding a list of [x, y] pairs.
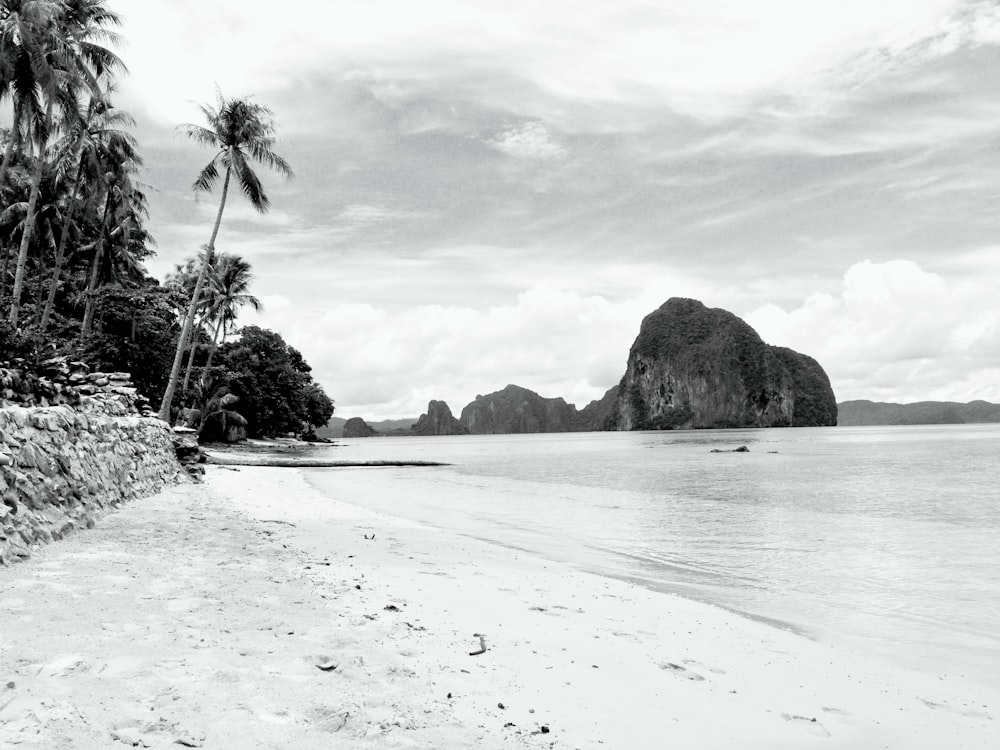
{"points": [[242, 133], [229, 285], [100, 130], [67, 58], [26, 33], [121, 221]]}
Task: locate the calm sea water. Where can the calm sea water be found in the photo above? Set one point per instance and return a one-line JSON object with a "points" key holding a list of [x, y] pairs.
{"points": [[883, 538]]}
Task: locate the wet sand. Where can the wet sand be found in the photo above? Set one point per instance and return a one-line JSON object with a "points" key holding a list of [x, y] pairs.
{"points": [[252, 612]]}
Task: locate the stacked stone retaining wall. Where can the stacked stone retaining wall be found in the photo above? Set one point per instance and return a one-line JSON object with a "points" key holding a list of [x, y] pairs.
{"points": [[60, 467]]}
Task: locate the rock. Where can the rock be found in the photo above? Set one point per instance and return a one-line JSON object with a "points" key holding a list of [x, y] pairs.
{"points": [[439, 421], [696, 367], [518, 410], [356, 427]]}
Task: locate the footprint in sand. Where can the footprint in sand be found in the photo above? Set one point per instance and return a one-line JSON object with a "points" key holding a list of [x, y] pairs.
{"points": [[64, 665], [713, 670], [809, 724], [681, 671]]}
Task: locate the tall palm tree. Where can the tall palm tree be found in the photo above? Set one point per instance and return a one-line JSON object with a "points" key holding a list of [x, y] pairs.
{"points": [[26, 33], [229, 291], [73, 59], [242, 133], [124, 206], [98, 132]]}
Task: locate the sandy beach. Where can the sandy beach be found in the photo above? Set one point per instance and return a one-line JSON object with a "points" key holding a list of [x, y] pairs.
{"points": [[252, 612]]}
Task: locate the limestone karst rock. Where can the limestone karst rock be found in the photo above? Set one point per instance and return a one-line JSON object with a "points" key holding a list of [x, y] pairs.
{"points": [[438, 421], [356, 427], [518, 410], [697, 367]]}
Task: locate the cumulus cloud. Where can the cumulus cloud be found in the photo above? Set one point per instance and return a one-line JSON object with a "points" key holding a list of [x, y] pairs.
{"points": [[895, 332]]}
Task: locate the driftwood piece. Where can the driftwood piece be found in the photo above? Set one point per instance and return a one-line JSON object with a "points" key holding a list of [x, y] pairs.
{"points": [[482, 645], [307, 463]]}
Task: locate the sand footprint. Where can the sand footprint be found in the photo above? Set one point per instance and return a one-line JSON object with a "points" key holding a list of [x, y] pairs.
{"points": [[63, 665], [809, 724], [681, 671]]}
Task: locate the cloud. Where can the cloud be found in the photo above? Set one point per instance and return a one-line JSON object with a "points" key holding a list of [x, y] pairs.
{"points": [[704, 57], [531, 141], [895, 332]]}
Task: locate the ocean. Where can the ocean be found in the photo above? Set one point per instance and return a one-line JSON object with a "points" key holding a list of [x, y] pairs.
{"points": [[885, 540]]}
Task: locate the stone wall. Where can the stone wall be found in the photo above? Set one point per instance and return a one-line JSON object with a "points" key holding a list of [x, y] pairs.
{"points": [[61, 466]]}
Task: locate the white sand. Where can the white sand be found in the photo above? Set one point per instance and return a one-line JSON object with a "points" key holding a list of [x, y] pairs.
{"points": [[201, 615]]}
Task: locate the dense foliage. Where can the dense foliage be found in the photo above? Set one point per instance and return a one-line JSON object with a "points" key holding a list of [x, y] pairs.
{"points": [[73, 234], [272, 381]]}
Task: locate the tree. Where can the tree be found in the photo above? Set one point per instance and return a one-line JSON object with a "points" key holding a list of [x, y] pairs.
{"points": [[228, 291], [135, 331], [242, 133], [276, 393], [121, 220], [63, 57], [81, 153]]}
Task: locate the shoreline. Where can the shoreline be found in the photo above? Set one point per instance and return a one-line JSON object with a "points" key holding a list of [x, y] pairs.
{"points": [[253, 611]]}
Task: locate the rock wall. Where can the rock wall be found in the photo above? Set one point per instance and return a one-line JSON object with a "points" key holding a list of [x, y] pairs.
{"points": [[61, 466]]}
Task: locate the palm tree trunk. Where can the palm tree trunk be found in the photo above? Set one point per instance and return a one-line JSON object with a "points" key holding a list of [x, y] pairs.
{"points": [[212, 351], [41, 270], [191, 353], [3, 271], [61, 252], [175, 371], [29, 221], [95, 265]]}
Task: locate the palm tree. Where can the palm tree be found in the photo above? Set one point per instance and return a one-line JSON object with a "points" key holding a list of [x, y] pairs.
{"points": [[242, 132], [124, 206], [229, 291], [67, 58], [26, 30], [99, 131]]}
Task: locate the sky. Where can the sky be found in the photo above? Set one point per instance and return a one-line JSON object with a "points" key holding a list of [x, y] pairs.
{"points": [[489, 193]]}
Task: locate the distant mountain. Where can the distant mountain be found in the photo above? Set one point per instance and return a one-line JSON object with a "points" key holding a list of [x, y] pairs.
{"points": [[335, 427], [692, 366], [859, 413]]}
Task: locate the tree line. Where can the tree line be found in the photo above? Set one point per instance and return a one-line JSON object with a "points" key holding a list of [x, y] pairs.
{"points": [[74, 234]]}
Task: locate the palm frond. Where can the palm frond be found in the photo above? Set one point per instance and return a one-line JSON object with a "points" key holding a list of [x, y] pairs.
{"points": [[249, 182], [199, 134], [207, 178]]}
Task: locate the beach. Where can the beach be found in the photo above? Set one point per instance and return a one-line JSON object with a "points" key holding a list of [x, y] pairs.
{"points": [[252, 611]]}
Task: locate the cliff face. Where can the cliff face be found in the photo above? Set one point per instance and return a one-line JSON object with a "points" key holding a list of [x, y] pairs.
{"points": [[696, 367], [596, 415], [438, 421], [518, 410]]}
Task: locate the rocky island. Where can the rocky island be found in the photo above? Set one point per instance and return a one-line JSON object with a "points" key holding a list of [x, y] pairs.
{"points": [[697, 367]]}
